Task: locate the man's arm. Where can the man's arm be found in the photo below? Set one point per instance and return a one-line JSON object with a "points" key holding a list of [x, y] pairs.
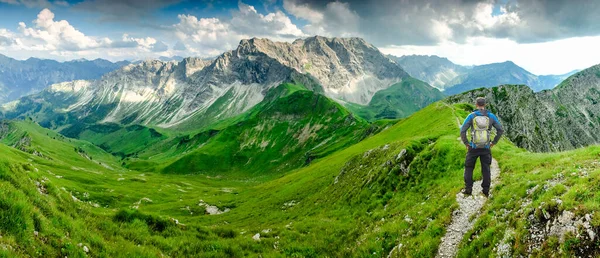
{"points": [[499, 131], [463, 129]]}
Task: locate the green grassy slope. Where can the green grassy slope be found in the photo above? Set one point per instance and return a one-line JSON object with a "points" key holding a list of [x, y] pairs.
{"points": [[376, 204], [55, 198], [29, 137], [396, 187], [121, 141], [398, 101], [535, 190], [363, 213], [251, 211], [289, 129]]}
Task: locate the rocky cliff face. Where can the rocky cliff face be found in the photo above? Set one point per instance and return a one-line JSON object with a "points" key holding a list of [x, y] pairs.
{"points": [[167, 94], [349, 69], [20, 78], [552, 120]]}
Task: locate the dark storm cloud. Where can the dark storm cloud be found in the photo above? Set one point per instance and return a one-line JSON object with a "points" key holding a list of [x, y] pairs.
{"points": [[549, 19], [124, 10], [429, 22]]}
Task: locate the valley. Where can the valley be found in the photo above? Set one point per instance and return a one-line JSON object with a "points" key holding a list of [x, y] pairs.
{"points": [[400, 182], [323, 147]]}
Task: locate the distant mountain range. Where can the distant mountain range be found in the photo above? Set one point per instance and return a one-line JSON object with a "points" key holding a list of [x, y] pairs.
{"points": [[195, 92], [292, 102], [20, 78], [453, 79]]}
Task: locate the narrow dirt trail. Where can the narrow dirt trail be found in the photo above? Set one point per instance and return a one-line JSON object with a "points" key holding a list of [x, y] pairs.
{"points": [[461, 223]]}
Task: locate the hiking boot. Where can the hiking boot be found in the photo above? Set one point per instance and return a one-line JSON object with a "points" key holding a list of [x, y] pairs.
{"points": [[487, 195], [465, 192]]}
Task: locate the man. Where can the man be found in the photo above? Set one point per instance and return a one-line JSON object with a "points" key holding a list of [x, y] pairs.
{"points": [[480, 122]]}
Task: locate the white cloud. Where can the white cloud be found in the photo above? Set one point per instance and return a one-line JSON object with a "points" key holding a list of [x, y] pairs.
{"points": [[49, 38], [6, 38], [248, 21], [441, 31], [57, 35], [147, 43], [207, 35], [484, 18], [538, 58], [212, 36]]}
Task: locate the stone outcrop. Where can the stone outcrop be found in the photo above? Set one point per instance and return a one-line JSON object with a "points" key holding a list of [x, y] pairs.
{"points": [[564, 118]]}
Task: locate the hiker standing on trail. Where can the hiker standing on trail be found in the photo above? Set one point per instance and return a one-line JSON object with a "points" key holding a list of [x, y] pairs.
{"points": [[480, 122]]}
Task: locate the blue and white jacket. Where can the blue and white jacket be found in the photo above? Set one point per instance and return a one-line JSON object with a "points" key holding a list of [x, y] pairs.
{"points": [[494, 122]]}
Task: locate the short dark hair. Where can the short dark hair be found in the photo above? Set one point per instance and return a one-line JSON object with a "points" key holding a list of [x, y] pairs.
{"points": [[480, 101]]}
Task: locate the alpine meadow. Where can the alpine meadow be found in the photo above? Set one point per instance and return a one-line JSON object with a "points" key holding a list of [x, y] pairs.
{"points": [[298, 128]]}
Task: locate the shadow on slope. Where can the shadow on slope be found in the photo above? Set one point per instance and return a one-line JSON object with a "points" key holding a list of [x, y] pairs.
{"points": [[289, 129]]}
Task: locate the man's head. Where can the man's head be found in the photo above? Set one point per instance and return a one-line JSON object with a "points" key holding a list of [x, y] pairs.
{"points": [[480, 102]]}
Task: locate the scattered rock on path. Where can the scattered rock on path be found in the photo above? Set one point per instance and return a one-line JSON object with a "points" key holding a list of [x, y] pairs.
{"points": [[461, 218]]}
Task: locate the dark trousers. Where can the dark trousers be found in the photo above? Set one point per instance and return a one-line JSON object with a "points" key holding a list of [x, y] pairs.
{"points": [[485, 157]]}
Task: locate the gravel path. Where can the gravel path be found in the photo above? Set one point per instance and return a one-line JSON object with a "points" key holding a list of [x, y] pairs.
{"points": [[461, 223]]}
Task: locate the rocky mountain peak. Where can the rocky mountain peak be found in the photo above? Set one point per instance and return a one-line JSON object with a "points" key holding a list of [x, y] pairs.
{"points": [[145, 67], [349, 69], [167, 93], [191, 65], [259, 46]]}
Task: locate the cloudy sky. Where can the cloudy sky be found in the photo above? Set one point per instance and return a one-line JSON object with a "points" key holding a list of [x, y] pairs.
{"points": [[543, 36]]}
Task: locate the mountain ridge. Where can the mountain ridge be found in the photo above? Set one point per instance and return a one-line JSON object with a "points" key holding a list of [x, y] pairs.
{"points": [[199, 92], [560, 119], [454, 79], [19, 78]]}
